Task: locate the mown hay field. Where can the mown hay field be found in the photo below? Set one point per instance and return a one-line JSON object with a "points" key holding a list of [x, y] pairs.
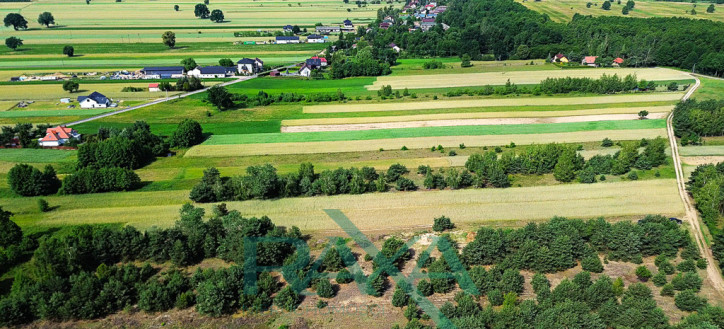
{"points": [[376, 211], [301, 147], [474, 115], [492, 102], [702, 150], [415, 66], [563, 10], [520, 77]]}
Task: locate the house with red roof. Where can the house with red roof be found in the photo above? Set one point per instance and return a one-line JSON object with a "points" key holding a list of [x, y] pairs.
{"points": [[617, 61], [153, 87], [559, 58], [58, 136], [589, 61]]}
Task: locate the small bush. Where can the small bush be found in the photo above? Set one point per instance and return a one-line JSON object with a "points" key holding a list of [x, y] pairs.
{"points": [[667, 290], [442, 223], [452, 153], [643, 273], [632, 176], [344, 277], [607, 142], [43, 205]]}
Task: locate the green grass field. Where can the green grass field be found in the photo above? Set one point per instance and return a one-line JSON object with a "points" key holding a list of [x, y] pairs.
{"points": [[563, 10], [702, 150], [36, 155]]}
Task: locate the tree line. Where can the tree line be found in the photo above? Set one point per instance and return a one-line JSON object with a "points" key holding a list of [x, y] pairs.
{"points": [[223, 100]]}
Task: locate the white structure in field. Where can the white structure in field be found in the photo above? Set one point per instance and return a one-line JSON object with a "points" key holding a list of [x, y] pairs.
{"points": [[58, 136], [94, 100]]}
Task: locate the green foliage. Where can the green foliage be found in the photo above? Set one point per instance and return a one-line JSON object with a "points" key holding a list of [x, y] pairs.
{"points": [[201, 11], [643, 273], [495, 297], [188, 133], [659, 279], [92, 180], [70, 86], [442, 223], [15, 20], [607, 142], [592, 263], [324, 289], [687, 300], [287, 299], [10, 233], [400, 297], [27, 180], [425, 288], [686, 266], [344, 276], [169, 39], [606, 5], [217, 16], [376, 285], [220, 97], [46, 19], [667, 290], [43, 205], [687, 281], [68, 50]]}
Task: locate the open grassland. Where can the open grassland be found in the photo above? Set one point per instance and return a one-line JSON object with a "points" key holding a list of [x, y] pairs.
{"points": [[129, 19], [701, 150], [36, 155], [373, 211], [301, 147], [490, 102], [55, 91], [470, 122], [414, 66], [325, 136], [158, 49], [520, 77], [473, 115], [710, 88], [563, 10]]}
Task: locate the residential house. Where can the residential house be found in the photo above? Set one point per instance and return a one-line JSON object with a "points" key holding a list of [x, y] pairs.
{"points": [[58, 136], [589, 61], [317, 62], [211, 72], [288, 28], [163, 72], [347, 23], [305, 70], [427, 23], [153, 87], [315, 38], [394, 47], [559, 58], [248, 66], [287, 39], [94, 100], [328, 29], [617, 61], [385, 25]]}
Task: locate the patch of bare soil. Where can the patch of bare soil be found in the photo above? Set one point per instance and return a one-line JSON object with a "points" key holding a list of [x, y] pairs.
{"points": [[702, 160]]}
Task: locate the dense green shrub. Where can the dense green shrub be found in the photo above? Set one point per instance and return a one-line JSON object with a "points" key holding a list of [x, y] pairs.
{"points": [[92, 180], [27, 180]]}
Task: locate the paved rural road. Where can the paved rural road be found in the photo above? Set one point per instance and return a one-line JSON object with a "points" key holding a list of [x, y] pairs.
{"points": [[159, 101], [691, 214]]}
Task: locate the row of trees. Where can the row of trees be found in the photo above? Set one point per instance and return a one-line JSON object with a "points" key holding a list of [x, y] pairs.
{"points": [[18, 22], [606, 84], [706, 185], [223, 100]]}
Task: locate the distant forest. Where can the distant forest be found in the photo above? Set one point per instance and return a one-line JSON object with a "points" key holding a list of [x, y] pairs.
{"points": [[508, 30]]}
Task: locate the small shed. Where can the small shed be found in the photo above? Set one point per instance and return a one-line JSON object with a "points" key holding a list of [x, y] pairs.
{"points": [[153, 87]]}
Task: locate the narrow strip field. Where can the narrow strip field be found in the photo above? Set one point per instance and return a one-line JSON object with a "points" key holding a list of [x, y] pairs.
{"points": [[519, 77], [474, 115], [492, 102], [468, 122], [701, 150], [207, 150], [392, 210], [702, 160]]}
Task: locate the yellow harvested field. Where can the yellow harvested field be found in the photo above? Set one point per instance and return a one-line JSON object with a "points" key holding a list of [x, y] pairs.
{"points": [[469, 122], [473, 115], [417, 143], [701, 160], [492, 102], [398, 210], [519, 77]]}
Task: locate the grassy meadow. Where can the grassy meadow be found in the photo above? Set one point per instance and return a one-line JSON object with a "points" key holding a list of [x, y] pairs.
{"points": [[563, 10]]}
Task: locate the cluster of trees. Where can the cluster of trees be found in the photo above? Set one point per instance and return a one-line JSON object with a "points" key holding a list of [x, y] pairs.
{"points": [[706, 185], [97, 180], [186, 83], [78, 275], [694, 119], [26, 133], [263, 182], [223, 100], [201, 10], [508, 30], [363, 60], [14, 247], [68, 50], [27, 180], [131, 147]]}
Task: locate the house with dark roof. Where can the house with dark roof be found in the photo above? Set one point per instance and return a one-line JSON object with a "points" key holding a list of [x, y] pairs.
{"points": [[58, 136], [94, 100], [315, 38], [347, 23], [288, 28], [327, 29], [210, 72], [385, 25], [163, 72], [287, 39], [306, 70], [316, 61], [248, 66]]}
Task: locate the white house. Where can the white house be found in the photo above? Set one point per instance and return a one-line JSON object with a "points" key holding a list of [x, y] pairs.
{"points": [[248, 66], [315, 38], [210, 72], [58, 136], [287, 39], [94, 100], [395, 47], [153, 87], [305, 70]]}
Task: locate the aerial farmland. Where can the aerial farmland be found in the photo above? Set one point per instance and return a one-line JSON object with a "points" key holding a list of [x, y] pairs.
{"points": [[345, 164]]}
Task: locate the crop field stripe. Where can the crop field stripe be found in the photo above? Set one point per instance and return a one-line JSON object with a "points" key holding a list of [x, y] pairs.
{"points": [[206, 150], [491, 102], [36, 155], [519, 77], [433, 131], [474, 115], [380, 210], [702, 150], [51, 113]]}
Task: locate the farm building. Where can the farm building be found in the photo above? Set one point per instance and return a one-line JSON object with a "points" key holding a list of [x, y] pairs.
{"points": [[317, 61], [306, 70], [559, 58], [163, 72], [589, 60], [153, 87], [328, 29], [58, 136], [94, 100], [286, 39], [249, 66], [210, 72], [315, 38]]}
